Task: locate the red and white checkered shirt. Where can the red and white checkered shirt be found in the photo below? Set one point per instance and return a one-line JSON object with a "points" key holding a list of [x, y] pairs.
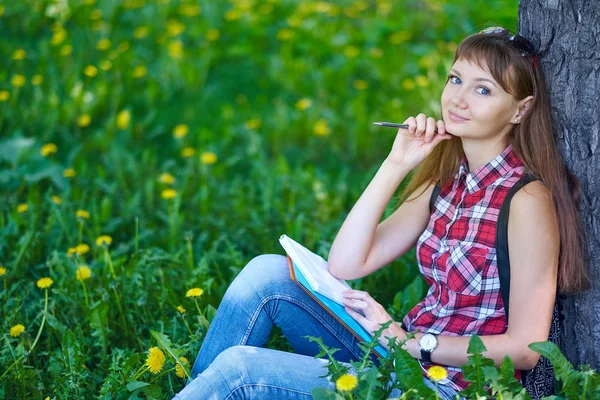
{"points": [[457, 257]]}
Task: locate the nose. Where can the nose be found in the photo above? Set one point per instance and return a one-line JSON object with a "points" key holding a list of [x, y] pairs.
{"points": [[458, 98]]}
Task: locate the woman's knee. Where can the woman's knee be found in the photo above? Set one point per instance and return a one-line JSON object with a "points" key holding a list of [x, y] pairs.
{"points": [[265, 271]]}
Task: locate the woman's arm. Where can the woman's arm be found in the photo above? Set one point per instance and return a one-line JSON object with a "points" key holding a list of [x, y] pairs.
{"points": [[534, 244]]}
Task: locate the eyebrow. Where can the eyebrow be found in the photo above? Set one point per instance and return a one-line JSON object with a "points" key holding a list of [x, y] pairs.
{"points": [[477, 79]]}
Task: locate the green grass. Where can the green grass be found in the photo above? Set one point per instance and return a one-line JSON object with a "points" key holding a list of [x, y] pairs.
{"points": [[237, 91]]}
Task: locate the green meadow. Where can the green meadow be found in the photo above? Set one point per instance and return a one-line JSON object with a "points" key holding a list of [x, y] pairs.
{"points": [[150, 149]]}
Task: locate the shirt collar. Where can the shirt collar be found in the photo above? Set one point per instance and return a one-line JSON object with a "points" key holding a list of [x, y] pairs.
{"points": [[488, 173]]}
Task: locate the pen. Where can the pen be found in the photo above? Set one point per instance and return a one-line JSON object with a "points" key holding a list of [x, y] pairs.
{"points": [[394, 125]]}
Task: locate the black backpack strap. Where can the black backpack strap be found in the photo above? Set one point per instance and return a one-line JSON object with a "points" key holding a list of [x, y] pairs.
{"points": [[540, 380], [434, 195], [502, 241]]}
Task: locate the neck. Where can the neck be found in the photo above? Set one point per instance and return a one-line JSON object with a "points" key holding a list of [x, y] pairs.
{"points": [[479, 153]]}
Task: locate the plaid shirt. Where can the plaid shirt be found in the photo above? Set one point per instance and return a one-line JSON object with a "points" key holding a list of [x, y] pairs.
{"points": [[457, 257]]}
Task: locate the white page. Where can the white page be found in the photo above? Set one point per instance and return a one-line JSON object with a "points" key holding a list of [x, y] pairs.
{"points": [[314, 268]]}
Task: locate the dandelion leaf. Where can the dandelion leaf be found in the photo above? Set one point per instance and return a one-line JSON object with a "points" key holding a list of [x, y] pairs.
{"points": [[409, 373], [325, 394], [473, 371]]}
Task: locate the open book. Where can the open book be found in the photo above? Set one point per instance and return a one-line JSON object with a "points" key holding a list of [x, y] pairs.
{"points": [[314, 269], [309, 270]]}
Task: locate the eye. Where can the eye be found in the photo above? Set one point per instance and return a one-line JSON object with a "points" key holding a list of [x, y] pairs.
{"points": [[485, 92], [453, 76]]}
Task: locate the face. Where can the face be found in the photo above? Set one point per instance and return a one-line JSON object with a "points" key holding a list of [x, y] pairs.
{"points": [[475, 106]]}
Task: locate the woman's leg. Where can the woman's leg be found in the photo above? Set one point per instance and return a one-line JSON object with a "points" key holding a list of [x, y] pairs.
{"points": [[264, 294], [248, 372]]}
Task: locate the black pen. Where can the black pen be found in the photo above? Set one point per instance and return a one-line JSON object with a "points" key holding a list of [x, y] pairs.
{"points": [[394, 125]]}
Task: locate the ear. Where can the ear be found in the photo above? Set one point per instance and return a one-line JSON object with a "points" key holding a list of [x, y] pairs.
{"points": [[523, 106]]}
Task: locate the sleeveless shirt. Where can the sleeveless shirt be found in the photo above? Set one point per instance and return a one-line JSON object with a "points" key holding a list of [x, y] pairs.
{"points": [[456, 256]]}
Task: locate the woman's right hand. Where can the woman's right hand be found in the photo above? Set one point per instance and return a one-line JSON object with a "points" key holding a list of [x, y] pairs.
{"points": [[412, 145]]}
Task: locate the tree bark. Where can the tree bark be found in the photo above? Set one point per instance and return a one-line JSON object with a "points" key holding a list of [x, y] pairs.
{"points": [[566, 35]]}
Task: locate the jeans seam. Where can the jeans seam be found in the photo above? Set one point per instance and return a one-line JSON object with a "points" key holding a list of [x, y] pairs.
{"points": [[242, 386], [265, 300]]}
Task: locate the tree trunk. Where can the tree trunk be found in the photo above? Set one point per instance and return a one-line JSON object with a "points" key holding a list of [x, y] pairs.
{"points": [[566, 34]]}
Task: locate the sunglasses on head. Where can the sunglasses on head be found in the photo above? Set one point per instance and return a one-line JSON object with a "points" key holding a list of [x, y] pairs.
{"points": [[518, 41], [522, 44]]}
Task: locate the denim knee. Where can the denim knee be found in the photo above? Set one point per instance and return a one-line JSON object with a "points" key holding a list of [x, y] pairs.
{"points": [[263, 272]]}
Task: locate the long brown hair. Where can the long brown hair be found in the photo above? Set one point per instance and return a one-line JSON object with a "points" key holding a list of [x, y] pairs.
{"points": [[532, 141]]}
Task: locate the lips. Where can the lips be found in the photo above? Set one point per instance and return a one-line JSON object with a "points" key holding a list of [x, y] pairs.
{"points": [[456, 116]]}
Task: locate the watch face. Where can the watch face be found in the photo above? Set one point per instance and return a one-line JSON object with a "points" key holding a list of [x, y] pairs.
{"points": [[428, 342]]}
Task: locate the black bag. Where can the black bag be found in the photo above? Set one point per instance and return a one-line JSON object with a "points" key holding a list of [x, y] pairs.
{"points": [[540, 380]]}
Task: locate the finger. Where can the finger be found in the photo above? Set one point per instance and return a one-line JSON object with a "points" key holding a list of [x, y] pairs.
{"points": [[357, 316], [430, 131], [421, 124], [412, 125], [357, 294], [357, 304], [441, 127]]}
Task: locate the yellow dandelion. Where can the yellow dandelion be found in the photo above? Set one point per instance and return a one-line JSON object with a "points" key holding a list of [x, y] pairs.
{"points": [[376, 52], [3, 272], [21, 208], [84, 272], [208, 158], [19, 54], [189, 10], [175, 27], [140, 32], [105, 65], [361, 84], [168, 194], [321, 128], [139, 72], [213, 35], [47, 149], [408, 84], [18, 80], [188, 152], [69, 173], [82, 249], [233, 14], [96, 14], [265, 9], [155, 360], [253, 123], [399, 37], [303, 104], [90, 71], [421, 80], [17, 330], [66, 50], [123, 119], [166, 178], [294, 21], [44, 283], [56, 200], [180, 131], [82, 214], [4, 95], [437, 373], [346, 383], [181, 309], [178, 370], [37, 80], [58, 37], [175, 49], [285, 34], [1, 10], [84, 120], [103, 240], [89, 2], [71, 251], [194, 292], [351, 51], [103, 44]]}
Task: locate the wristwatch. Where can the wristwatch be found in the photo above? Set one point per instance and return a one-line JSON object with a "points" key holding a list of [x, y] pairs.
{"points": [[427, 344]]}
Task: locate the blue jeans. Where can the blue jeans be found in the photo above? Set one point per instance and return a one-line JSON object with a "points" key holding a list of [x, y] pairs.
{"points": [[232, 364]]}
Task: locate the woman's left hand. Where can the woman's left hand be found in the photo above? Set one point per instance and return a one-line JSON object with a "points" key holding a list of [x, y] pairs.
{"points": [[373, 313]]}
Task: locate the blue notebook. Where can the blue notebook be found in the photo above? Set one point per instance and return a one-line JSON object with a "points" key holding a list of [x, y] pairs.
{"points": [[335, 309]]}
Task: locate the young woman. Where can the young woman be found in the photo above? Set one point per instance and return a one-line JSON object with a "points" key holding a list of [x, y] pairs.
{"points": [[495, 128]]}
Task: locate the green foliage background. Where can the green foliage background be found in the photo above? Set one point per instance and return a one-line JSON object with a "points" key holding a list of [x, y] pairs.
{"points": [[281, 92]]}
